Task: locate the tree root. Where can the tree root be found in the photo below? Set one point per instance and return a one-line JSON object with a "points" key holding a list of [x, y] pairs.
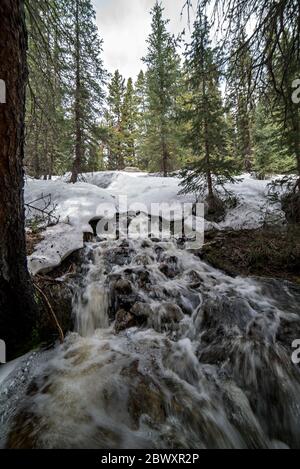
{"points": [[53, 315]]}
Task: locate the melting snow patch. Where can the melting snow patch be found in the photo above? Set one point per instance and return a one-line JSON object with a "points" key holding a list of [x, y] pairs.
{"points": [[77, 204]]}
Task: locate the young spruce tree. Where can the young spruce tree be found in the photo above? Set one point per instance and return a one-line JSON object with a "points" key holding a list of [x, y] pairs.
{"points": [[129, 125], [207, 127], [163, 73], [114, 124], [140, 91]]}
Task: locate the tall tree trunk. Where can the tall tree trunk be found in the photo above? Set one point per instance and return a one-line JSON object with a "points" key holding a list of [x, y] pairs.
{"points": [[36, 158], [165, 160], [17, 306], [296, 132], [247, 148], [77, 165], [207, 150], [207, 161]]}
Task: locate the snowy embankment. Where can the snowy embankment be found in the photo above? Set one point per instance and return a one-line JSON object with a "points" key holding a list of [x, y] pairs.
{"points": [[76, 205]]}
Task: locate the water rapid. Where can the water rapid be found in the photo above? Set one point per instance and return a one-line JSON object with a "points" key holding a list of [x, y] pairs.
{"points": [[168, 352]]}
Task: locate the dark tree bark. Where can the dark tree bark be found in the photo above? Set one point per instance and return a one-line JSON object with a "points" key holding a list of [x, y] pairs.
{"points": [[77, 165], [165, 158], [17, 306]]}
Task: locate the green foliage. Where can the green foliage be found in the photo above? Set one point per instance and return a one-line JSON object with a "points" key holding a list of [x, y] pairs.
{"points": [[129, 124], [172, 117], [238, 102], [271, 154], [163, 78], [140, 91], [65, 91], [113, 122], [212, 163]]}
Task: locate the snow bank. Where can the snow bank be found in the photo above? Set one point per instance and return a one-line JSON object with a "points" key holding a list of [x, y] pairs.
{"points": [[252, 210], [77, 204], [253, 206]]}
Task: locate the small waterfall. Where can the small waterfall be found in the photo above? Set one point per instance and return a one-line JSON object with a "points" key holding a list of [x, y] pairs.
{"points": [[168, 353]]}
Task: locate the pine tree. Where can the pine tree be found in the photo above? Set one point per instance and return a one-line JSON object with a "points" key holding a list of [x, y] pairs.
{"points": [[238, 99], [205, 115], [141, 121], [86, 80], [129, 125], [45, 129], [113, 117], [18, 310], [287, 110], [163, 73], [272, 155]]}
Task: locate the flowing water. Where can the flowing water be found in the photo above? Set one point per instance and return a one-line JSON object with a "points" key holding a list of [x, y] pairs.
{"points": [[168, 353]]}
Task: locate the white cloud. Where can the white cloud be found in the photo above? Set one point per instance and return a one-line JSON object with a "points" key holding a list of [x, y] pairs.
{"points": [[124, 26]]}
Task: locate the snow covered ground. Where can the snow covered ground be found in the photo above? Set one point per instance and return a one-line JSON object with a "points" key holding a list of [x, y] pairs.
{"points": [[75, 206], [78, 204]]}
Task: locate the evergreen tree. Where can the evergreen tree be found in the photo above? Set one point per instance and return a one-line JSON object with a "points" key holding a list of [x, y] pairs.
{"points": [[238, 99], [272, 154], [18, 309], [205, 114], [129, 125], [86, 79], [65, 88], [45, 129], [287, 111], [113, 118], [141, 121], [161, 144]]}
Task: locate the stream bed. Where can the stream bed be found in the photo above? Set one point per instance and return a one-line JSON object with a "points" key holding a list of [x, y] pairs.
{"points": [[167, 352]]}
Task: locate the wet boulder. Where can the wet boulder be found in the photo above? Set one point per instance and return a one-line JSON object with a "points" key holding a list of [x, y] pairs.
{"points": [[169, 267], [143, 259], [121, 255], [123, 287], [159, 251], [145, 397], [123, 295], [171, 313], [141, 311], [124, 320], [140, 277], [166, 317]]}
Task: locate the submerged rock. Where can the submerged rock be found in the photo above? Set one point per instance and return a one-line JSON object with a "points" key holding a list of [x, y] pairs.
{"points": [[124, 320]]}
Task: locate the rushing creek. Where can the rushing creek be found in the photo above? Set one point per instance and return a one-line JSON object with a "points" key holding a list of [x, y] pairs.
{"points": [[167, 352]]}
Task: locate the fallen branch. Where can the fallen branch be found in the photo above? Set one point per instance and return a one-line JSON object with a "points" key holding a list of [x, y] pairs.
{"points": [[48, 279], [45, 298], [46, 212]]}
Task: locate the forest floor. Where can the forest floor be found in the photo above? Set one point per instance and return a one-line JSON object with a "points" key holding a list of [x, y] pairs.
{"points": [[33, 238], [264, 252]]}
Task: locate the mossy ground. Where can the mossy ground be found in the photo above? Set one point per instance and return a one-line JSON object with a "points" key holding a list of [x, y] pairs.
{"points": [[267, 252]]}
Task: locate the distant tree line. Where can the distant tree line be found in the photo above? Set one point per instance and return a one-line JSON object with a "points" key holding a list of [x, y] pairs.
{"points": [[204, 114]]}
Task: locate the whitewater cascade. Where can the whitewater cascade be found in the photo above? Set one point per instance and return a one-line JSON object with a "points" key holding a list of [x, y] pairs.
{"points": [[168, 353]]}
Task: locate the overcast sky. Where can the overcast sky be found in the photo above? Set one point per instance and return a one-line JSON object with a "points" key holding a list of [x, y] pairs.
{"points": [[124, 26]]}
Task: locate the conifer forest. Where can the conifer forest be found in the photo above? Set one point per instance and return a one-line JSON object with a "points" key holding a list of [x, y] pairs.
{"points": [[149, 228]]}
